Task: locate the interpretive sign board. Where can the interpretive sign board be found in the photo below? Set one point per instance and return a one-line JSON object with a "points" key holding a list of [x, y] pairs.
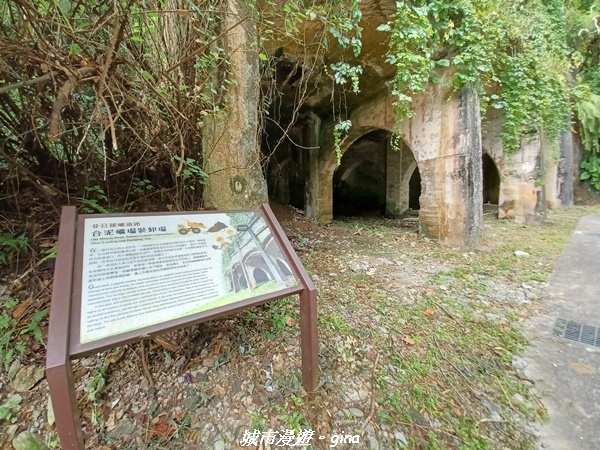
{"points": [[120, 278]]}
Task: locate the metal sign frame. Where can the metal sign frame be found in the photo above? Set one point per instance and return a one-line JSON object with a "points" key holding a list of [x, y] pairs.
{"points": [[63, 330]]}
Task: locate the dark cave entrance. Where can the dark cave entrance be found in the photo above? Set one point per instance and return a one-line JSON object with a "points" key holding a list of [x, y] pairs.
{"points": [[285, 171], [359, 183], [491, 180], [414, 190]]}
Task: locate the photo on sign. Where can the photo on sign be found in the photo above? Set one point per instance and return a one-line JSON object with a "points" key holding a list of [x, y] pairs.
{"points": [[151, 269]]}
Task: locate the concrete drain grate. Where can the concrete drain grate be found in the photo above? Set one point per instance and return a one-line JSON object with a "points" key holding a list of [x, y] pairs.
{"points": [[576, 331]]}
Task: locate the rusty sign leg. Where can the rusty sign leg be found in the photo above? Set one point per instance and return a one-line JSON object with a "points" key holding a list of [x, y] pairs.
{"points": [[309, 336], [309, 339], [58, 358], [64, 403]]}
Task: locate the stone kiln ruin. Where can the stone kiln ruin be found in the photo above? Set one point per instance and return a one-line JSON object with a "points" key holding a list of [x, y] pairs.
{"points": [[449, 160]]}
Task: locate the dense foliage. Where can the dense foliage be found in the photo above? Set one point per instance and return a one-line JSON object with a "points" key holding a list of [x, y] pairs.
{"points": [[513, 52], [102, 103], [584, 39]]}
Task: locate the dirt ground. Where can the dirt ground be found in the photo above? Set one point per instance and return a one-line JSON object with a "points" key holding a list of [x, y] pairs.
{"points": [[419, 348]]}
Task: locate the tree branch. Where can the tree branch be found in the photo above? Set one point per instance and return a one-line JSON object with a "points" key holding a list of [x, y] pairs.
{"points": [[61, 100], [30, 82]]}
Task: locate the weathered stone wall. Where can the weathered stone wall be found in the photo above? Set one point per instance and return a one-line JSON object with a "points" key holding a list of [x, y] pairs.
{"points": [[400, 165], [534, 177], [566, 169], [445, 138]]}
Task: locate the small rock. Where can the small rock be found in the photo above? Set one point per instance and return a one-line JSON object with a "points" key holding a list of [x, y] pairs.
{"points": [[179, 362], [521, 253], [28, 377], [519, 363], [497, 317], [495, 416], [28, 441], [9, 432], [13, 369], [50, 412], [123, 428], [373, 444], [401, 438], [356, 412], [89, 361], [518, 398], [219, 444]]}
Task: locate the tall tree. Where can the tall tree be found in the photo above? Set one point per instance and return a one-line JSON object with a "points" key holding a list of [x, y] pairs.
{"points": [[230, 140]]}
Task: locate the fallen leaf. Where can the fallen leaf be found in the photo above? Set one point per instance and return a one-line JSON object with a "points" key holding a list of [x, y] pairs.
{"points": [[180, 416], [210, 361], [165, 344], [161, 429], [219, 391], [429, 312], [277, 362], [583, 369], [158, 418], [115, 355], [20, 310], [111, 423], [407, 340], [218, 346], [290, 322]]}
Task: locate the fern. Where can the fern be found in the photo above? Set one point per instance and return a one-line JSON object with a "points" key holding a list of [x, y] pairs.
{"points": [[587, 105]]}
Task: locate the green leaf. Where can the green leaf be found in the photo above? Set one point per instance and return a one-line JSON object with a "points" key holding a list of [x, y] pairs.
{"points": [[64, 6], [75, 49], [147, 75], [262, 56]]}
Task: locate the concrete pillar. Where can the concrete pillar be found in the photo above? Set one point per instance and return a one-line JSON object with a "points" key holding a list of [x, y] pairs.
{"points": [[393, 182], [400, 164], [550, 175], [558, 171], [318, 202], [522, 196], [450, 166], [566, 177]]}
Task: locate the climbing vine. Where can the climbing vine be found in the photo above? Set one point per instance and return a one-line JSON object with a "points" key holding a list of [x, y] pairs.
{"points": [[338, 26], [513, 53]]}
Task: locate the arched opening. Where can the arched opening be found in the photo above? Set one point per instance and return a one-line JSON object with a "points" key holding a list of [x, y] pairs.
{"points": [[239, 278], [260, 276], [285, 173], [414, 190], [359, 183], [284, 269], [491, 180]]}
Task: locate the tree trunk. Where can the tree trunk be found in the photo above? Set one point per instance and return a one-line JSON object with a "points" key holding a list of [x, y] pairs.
{"points": [[230, 137]]}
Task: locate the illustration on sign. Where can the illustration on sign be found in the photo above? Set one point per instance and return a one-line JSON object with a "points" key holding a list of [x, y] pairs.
{"points": [[147, 270]]}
